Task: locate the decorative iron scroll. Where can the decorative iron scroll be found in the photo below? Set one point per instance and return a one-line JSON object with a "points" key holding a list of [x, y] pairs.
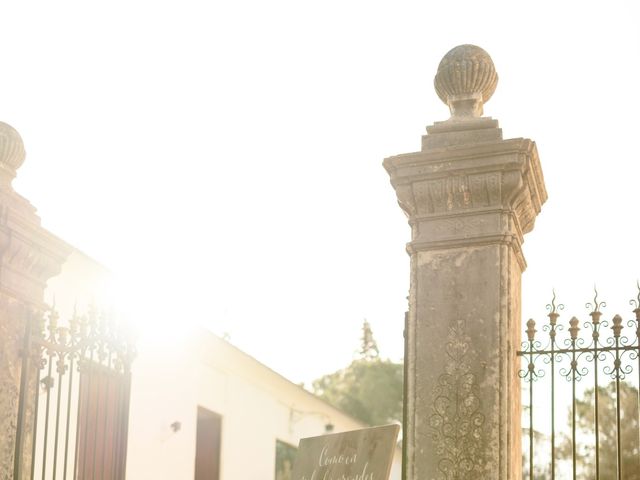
{"points": [[601, 348], [456, 421], [74, 377]]}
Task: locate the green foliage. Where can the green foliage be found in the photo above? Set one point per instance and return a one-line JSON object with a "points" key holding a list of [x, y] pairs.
{"points": [[285, 458], [541, 466], [369, 390], [585, 443]]}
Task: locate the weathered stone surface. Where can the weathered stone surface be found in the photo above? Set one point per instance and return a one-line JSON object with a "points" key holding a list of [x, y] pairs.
{"points": [[470, 197], [12, 152], [29, 256], [466, 79]]}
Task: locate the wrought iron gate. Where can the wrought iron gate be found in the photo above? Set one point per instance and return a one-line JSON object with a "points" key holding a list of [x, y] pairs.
{"points": [[74, 399], [608, 352]]}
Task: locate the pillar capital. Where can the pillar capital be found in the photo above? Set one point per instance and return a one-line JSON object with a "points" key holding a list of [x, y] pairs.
{"points": [[469, 186]]}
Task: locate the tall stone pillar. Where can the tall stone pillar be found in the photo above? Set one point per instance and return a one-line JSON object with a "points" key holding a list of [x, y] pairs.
{"points": [[29, 256], [470, 197]]}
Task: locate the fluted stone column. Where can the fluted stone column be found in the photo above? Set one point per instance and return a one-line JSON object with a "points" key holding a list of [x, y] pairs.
{"points": [[470, 197], [29, 256]]}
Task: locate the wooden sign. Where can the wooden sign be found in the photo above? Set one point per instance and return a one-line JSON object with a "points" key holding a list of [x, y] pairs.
{"points": [[358, 455]]}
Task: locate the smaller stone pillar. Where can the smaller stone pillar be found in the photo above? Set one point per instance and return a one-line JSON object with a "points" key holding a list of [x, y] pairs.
{"points": [[470, 197], [29, 256]]}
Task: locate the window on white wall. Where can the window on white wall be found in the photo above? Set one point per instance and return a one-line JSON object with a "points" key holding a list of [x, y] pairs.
{"points": [[285, 456], [208, 435]]}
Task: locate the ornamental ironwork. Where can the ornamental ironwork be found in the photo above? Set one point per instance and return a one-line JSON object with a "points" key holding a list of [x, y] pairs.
{"points": [[597, 350], [74, 397]]}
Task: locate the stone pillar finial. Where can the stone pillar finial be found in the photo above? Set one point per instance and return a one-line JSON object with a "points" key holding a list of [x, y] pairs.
{"points": [[465, 80], [12, 154]]}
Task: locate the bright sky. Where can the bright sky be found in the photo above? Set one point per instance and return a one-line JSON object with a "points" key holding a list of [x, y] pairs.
{"points": [[223, 158]]}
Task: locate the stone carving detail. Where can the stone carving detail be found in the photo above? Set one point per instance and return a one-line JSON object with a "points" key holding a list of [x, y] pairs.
{"points": [[525, 212], [494, 188], [457, 424], [456, 226], [465, 80], [453, 193], [405, 199], [11, 149]]}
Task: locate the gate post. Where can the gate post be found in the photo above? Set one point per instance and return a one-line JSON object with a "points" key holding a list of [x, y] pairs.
{"points": [[470, 196], [29, 256]]}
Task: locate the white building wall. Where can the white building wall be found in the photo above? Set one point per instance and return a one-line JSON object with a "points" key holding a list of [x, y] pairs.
{"points": [[257, 406]]}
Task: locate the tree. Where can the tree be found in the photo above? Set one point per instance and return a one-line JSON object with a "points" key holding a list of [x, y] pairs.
{"points": [[541, 467], [370, 389], [585, 444], [369, 347]]}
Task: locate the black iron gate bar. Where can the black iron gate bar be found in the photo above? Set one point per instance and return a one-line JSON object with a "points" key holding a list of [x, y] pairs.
{"points": [[615, 346], [87, 341]]}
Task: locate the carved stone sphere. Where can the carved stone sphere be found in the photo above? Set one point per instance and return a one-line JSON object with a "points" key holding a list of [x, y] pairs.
{"points": [[12, 152], [466, 71]]}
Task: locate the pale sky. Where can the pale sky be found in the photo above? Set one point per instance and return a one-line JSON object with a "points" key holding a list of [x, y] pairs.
{"points": [[223, 158]]}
